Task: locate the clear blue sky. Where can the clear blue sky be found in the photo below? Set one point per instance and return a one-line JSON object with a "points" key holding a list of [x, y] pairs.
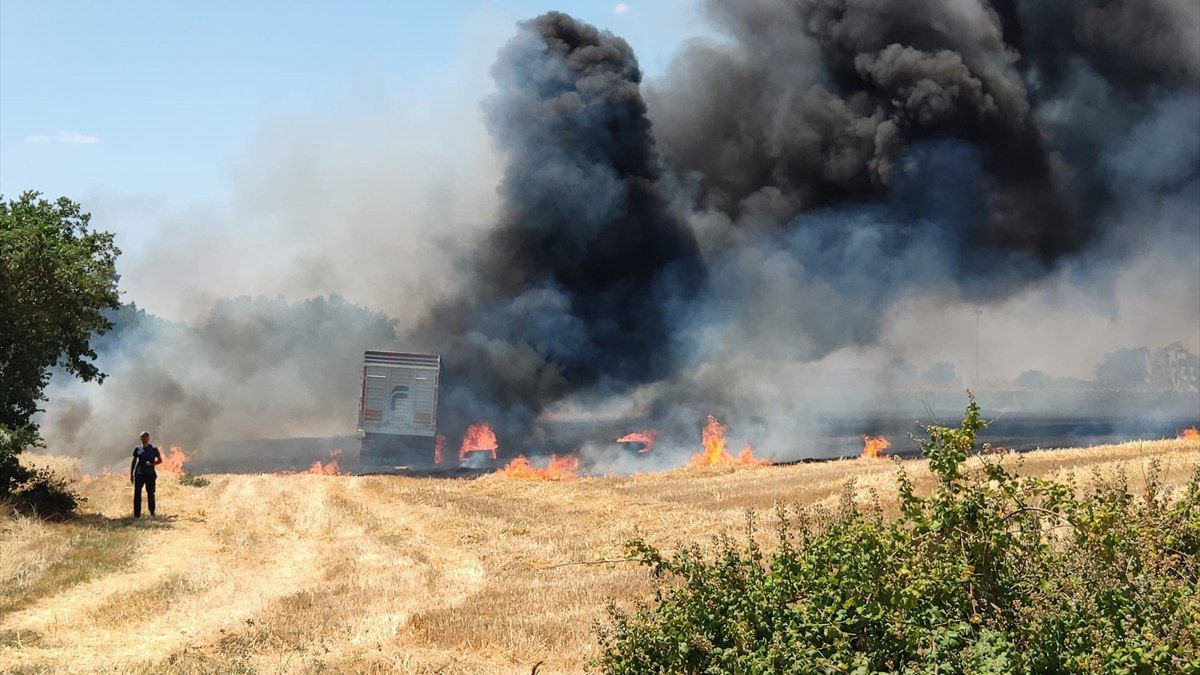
{"points": [[152, 100]]}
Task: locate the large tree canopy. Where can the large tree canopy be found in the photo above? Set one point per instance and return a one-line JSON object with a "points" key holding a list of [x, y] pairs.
{"points": [[56, 279]]}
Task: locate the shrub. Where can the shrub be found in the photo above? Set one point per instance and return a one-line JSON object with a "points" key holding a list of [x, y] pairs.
{"points": [[45, 495], [36, 491], [193, 480], [992, 573], [12, 472]]}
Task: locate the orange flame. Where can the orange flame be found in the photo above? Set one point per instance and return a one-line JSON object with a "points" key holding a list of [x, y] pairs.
{"points": [[438, 444], [873, 446], [173, 460], [746, 456], [479, 438], [1190, 434], [715, 454], [646, 438], [559, 468], [329, 469]]}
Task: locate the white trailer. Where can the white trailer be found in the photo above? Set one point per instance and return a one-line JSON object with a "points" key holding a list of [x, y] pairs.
{"points": [[397, 412]]}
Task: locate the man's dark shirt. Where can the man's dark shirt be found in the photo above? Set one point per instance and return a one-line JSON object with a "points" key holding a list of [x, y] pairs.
{"points": [[145, 460]]}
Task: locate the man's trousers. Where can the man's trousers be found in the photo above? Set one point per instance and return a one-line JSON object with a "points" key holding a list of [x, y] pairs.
{"points": [[138, 481]]}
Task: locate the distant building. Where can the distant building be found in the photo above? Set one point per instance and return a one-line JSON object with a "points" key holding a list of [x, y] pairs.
{"points": [[1174, 367]]}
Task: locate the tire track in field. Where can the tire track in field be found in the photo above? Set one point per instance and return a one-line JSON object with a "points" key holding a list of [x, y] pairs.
{"points": [[241, 546]]}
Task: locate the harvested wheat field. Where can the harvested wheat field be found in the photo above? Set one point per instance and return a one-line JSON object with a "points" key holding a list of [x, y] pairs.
{"points": [[374, 574]]}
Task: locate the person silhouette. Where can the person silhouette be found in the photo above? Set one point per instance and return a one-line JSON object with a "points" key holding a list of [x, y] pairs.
{"points": [[141, 473]]}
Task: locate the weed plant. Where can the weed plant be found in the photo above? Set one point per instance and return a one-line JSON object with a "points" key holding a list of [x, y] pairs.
{"points": [[193, 480]]}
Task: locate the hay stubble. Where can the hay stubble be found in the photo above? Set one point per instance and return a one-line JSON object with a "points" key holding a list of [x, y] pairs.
{"points": [[274, 574]]}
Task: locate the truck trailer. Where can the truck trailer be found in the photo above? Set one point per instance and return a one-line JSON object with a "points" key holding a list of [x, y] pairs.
{"points": [[397, 412]]}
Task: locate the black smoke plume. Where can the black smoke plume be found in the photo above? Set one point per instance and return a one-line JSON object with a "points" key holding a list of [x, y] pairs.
{"points": [[830, 157], [581, 281], [900, 145]]}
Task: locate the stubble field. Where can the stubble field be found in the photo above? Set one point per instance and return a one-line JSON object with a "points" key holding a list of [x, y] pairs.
{"points": [[381, 574]]}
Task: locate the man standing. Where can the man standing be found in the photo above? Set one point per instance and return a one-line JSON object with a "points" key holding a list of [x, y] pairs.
{"points": [[141, 472]]}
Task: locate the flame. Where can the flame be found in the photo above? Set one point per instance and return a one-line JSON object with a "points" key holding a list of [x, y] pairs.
{"points": [[559, 468], [715, 454], [713, 438], [479, 438], [873, 446], [329, 469], [646, 438], [173, 460], [438, 444], [1190, 434], [746, 456]]}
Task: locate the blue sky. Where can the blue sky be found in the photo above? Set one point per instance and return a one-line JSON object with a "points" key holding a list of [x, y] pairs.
{"points": [[144, 100]]}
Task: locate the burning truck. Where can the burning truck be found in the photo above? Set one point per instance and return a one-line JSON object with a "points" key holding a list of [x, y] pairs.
{"points": [[397, 410]]}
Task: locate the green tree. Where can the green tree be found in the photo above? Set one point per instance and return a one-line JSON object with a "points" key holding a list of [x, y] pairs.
{"points": [[57, 277]]}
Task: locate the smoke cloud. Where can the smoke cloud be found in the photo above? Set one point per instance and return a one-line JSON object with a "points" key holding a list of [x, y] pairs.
{"points": [[857, 170], [253, 368], [584, 277], [840, 165], [825, 203]]}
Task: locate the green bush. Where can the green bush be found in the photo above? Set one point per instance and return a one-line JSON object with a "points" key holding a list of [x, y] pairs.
{"points": [[36, 492], [45, 495], [992, 573], [193, 480]]}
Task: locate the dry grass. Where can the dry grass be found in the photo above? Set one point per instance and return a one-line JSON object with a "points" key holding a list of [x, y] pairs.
{"points": [[379, 574]]}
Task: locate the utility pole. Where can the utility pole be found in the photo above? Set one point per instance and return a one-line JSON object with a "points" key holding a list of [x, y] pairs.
{"points": [[978, 312]]}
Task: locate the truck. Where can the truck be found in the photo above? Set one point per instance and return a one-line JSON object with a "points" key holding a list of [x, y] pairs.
{"points": [[397, 411]]}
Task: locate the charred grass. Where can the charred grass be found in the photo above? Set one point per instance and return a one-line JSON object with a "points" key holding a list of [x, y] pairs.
{"points": [[283, 574]]}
